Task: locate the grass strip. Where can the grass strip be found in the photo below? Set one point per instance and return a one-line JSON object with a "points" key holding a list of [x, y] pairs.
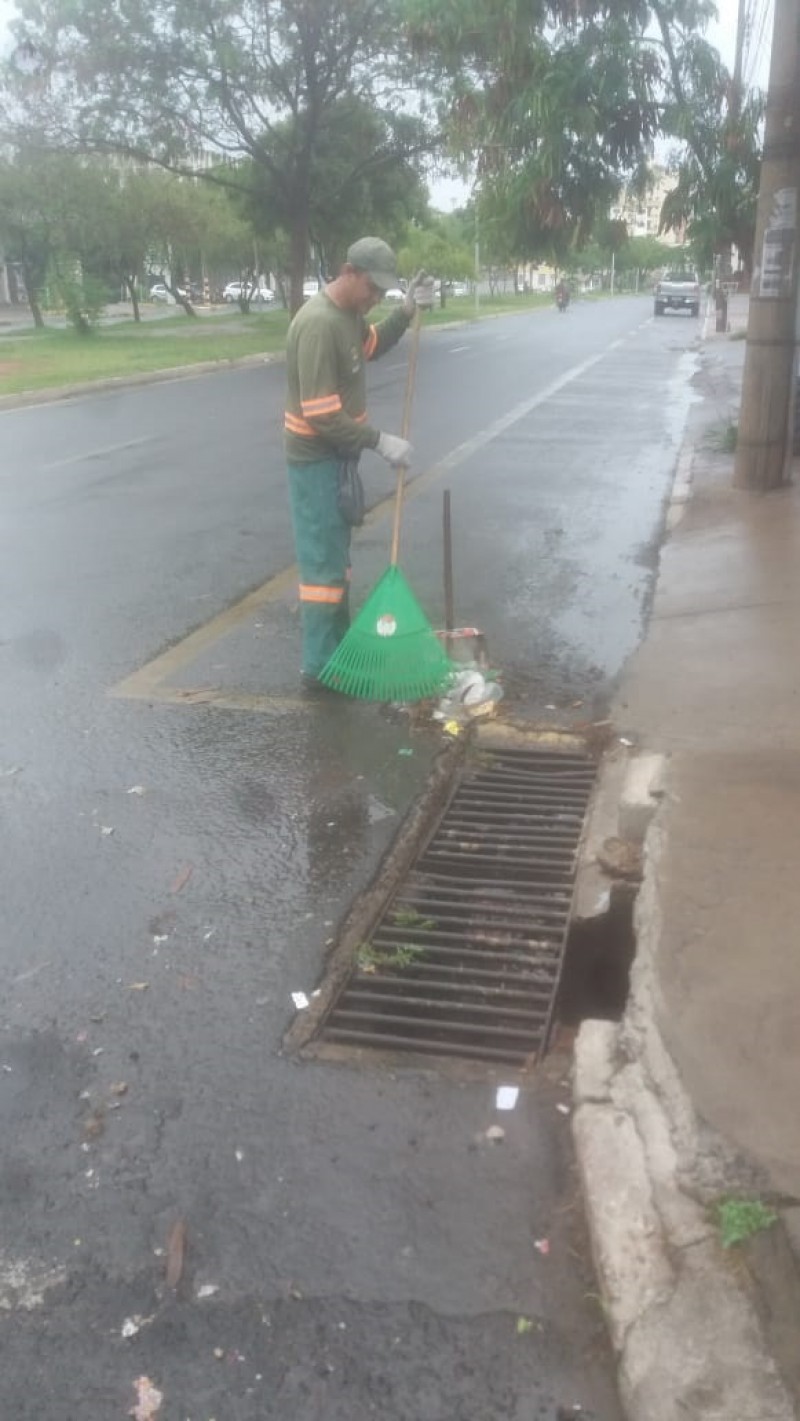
{"points": [[53, 357]]}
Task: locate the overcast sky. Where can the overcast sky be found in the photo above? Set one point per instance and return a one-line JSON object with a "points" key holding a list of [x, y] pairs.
{"points": [[449, 193]]}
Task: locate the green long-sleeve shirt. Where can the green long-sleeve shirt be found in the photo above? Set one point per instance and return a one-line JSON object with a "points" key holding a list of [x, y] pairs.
{"points": [[326, 401]]}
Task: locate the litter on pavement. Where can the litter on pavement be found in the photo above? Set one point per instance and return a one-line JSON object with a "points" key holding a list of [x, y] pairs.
{"points": [[507, 1097], [542, 1245], [300, 1000], [148, 1400], [182, 878], [176, 1252], [133, 1325], [470, 694], [495, 1133]]}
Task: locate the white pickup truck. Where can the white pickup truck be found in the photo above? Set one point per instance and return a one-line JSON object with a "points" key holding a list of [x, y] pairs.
{"points": [[678, 290]]}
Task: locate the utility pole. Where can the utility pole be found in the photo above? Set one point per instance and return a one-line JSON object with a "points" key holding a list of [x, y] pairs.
{"points": [[735, 105], [477, 267], [735, 95], [764, 415]]}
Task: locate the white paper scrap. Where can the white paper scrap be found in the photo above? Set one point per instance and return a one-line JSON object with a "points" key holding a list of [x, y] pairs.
{"points": [[507, 1097]]}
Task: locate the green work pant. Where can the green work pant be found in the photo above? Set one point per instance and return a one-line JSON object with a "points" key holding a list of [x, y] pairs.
{"points": [[322, 544]]}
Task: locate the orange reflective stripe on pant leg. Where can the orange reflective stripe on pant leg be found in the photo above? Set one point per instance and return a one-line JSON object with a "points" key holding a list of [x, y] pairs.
{"points": [[311, 593]]}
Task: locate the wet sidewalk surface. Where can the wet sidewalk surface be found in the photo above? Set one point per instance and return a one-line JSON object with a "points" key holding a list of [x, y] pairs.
{"points": [[715, 686]]}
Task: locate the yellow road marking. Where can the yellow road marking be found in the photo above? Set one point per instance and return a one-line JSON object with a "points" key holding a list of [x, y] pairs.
{"points": [[147, 683], [144, 683], [222, 700]]}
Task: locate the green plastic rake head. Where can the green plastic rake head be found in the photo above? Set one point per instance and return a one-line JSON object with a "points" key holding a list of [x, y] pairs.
{"points": [[391, 652]]}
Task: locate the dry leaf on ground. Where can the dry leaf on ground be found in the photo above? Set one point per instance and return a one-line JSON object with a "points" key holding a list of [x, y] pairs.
{"points": [[176, 1250], [182, 879]]}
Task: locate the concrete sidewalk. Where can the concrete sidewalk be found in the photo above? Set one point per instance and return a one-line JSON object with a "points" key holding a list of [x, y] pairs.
{"points": [[693, 1096]]}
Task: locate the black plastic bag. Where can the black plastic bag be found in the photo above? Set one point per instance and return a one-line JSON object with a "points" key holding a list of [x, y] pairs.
{"points": [[350, 493]]}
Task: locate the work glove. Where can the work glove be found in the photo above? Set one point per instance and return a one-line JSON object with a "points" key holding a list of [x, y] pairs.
{"points": [[394, 450], [419, 293]]}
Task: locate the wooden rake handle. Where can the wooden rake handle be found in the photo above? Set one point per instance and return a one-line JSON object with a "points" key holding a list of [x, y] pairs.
{"points": [[411, 380]]}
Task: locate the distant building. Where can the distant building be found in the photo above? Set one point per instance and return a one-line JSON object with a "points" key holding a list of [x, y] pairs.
{"points": [[642, 215], [536, 276]]}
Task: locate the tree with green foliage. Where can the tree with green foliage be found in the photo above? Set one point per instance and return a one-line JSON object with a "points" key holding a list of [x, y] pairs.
{"points": [[431, 249], [718, 166], [559, 105], [352, 192], [41, 206], [263, 80], [644, 255]]}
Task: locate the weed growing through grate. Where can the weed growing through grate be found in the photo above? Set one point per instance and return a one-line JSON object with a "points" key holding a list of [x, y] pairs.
{"points": [[739, 1219], [370, 958], [410, 918]]}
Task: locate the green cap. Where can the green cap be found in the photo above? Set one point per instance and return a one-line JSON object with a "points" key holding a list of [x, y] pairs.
{"points": [[376, 258]]}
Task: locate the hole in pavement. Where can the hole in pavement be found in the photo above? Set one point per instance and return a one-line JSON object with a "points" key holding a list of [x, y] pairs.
{"points": [[596, 975]]}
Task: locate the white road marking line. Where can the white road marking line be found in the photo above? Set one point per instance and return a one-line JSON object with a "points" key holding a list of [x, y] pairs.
{"points": [[148, 683], [103, 453], [485, 436]]}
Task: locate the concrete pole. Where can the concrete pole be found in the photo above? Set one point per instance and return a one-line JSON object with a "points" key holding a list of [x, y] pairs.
{"points": [[477, 268], [793, 442], [769, 360]]}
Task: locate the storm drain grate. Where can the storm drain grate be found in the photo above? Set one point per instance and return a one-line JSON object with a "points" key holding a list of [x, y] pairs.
{"points": [[466, 959]]}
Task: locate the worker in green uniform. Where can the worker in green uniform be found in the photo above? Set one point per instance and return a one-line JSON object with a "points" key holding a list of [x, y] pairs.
{"points": [[326, 423]]}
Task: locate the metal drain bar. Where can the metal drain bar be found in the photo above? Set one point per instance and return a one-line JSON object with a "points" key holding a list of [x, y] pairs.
{"points": [[466, 959]]}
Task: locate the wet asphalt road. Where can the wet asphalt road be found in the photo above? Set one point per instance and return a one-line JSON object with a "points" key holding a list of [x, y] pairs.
{"points": [[371, 1250]]}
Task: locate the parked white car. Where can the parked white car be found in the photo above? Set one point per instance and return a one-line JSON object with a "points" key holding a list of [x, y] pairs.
{"points": [[233, 292], [310, 288], [159, 292]]}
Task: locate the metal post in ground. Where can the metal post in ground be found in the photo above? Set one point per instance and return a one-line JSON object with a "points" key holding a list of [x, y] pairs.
{"points": [[763, 433]]}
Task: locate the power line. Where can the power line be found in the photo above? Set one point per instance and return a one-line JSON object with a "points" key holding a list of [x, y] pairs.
{"points": [[755, 51]]}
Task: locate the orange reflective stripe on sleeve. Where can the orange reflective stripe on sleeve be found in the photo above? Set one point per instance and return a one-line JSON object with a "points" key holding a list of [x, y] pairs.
{"points": [[298, 426], [310, 593], [370, 342], [324, 404]]}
